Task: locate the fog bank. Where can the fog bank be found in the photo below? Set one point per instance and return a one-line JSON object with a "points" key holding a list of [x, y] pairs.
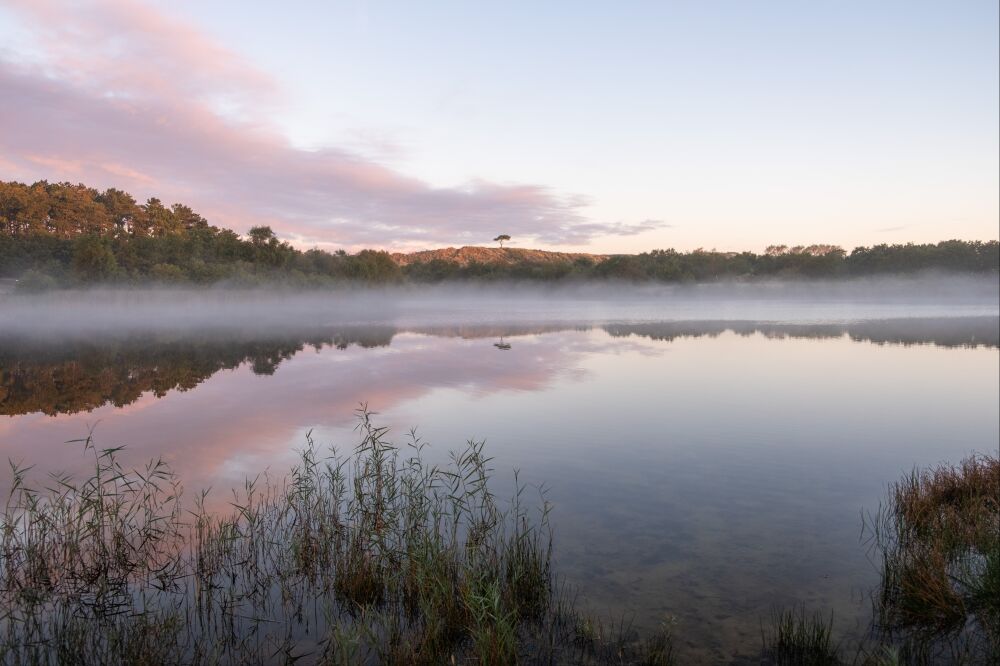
{"points": [[84, 312]]}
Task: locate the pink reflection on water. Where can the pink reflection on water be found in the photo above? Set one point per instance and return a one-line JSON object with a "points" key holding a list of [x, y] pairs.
{"points": [[237, 424]]}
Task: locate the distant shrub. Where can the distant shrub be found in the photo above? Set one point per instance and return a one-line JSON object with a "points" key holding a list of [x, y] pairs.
{"points": [[34, 281], [167, 273]]}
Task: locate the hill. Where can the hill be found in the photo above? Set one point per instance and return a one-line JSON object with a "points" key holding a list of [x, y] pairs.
{"points": [[508, 256]]}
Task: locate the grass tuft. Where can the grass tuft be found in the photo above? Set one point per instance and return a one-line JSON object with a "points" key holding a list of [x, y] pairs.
{"points": [[938, 544], [796, 638]]}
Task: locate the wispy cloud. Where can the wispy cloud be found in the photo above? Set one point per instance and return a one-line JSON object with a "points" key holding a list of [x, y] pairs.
{"points": [[126, 96]]}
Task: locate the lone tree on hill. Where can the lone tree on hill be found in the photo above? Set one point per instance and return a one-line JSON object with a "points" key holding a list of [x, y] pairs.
{"points": [[260, 235], [501, 238]]}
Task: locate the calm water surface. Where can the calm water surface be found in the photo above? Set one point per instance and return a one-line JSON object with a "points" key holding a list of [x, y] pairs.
{"points": [[700, 471]]}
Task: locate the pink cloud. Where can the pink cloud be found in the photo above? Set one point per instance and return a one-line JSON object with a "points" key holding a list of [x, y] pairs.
{"points": [[130, 98], [57, 164], [123, 47]]}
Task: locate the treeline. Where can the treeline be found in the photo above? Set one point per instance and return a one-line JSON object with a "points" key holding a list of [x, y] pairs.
{"points": [[700, 265], [60, 234]]}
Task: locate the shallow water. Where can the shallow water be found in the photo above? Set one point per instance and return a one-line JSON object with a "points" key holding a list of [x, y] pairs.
{"points": [[702, 471]]}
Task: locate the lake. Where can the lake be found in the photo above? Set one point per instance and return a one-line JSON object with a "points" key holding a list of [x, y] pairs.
{"points": [[708, 455]]}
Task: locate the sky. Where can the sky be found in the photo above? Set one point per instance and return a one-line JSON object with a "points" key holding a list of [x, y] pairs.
{"points": [[593, 126]]}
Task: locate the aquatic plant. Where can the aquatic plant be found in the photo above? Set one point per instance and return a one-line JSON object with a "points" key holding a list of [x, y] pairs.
{"points": [[937, 542], [372, 557], [796, 638]]}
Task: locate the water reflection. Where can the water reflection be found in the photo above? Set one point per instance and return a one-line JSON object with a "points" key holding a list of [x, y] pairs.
{"points": [[701, 470], [940, 331], [69, 376], [55, 376], [221, 407]]}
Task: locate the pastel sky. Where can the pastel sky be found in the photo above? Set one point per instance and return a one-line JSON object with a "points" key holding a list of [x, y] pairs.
{"points": [[601, 126]]}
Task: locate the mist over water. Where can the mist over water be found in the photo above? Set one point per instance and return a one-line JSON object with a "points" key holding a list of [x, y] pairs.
{"points": [[82, 312]]}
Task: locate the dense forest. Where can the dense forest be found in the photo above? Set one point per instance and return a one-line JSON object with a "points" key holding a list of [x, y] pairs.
{"points": [[61, 235]]}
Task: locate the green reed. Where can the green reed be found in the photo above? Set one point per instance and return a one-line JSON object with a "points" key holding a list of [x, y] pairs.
{"points": [[376, 556], [796, 638]]}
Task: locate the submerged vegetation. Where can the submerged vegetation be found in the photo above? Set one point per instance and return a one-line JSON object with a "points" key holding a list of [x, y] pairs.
{"points": [[59, 234], [375, 557]]}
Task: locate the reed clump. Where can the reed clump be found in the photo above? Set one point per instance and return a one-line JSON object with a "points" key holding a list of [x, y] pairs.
{"points": [[796, 638], [938, 544], [371, 557]]}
